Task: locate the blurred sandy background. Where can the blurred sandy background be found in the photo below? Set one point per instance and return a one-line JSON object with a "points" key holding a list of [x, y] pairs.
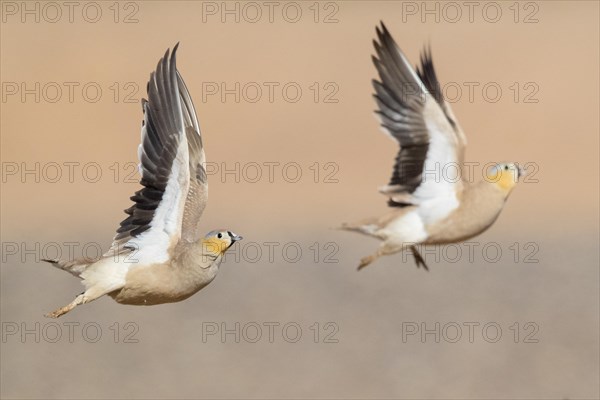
{"points": [[559, 213]]}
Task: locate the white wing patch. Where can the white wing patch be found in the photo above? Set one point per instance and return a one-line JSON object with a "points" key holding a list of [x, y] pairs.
{"points": [[436, 196], [153, 245], [154, 224]]}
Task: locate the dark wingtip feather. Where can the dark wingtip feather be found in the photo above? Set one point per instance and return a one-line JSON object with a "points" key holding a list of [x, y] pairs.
{"points": [[159, 145], [400, 111], [427, 74], [384, 28], [173, 59], [375, 60]]}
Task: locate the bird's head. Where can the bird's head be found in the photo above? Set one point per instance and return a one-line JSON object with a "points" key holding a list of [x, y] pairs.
{"points": [[217, 242], [504, 175]]}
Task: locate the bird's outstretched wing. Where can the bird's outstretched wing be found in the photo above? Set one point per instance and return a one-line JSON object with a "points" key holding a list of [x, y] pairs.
{"points": [[426, 73], [174, 193], [415, 114], [197, 195]]}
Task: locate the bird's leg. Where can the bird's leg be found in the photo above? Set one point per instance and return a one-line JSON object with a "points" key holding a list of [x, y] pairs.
{"points": [[418, 258], [89, 295], [368, 260], [63, 310], [386, 248]]}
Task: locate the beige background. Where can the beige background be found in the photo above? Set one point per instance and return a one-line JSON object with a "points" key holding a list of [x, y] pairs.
{"points": [[559, 213]]}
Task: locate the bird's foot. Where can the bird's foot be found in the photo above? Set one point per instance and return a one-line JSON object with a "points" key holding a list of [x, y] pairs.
{"points": [[365, 261], [63, 310], [419, 259], [57, 313]]}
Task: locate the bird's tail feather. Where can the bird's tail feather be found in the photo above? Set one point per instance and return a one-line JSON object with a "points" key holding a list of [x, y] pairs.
{"points": [[75, 267], [366, 229]]}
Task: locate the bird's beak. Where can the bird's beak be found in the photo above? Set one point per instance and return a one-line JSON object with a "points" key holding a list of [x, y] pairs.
{"points": [[521, 171], [234, 238]]}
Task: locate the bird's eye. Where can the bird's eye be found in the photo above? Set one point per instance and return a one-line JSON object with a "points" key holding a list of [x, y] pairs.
{"points": [[506, 167], [219, 236]]}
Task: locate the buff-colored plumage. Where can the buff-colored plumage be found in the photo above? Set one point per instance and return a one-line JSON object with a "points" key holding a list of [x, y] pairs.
{"points": [[426, 209], [158, 255]]}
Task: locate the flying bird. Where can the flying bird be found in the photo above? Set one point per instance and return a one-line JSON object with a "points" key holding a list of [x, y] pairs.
{"points": [[426, 208], [158, 254]]}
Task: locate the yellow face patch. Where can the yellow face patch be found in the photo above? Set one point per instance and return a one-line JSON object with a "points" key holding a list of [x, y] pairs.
{"points": [[215, 245], [506, 179]]}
